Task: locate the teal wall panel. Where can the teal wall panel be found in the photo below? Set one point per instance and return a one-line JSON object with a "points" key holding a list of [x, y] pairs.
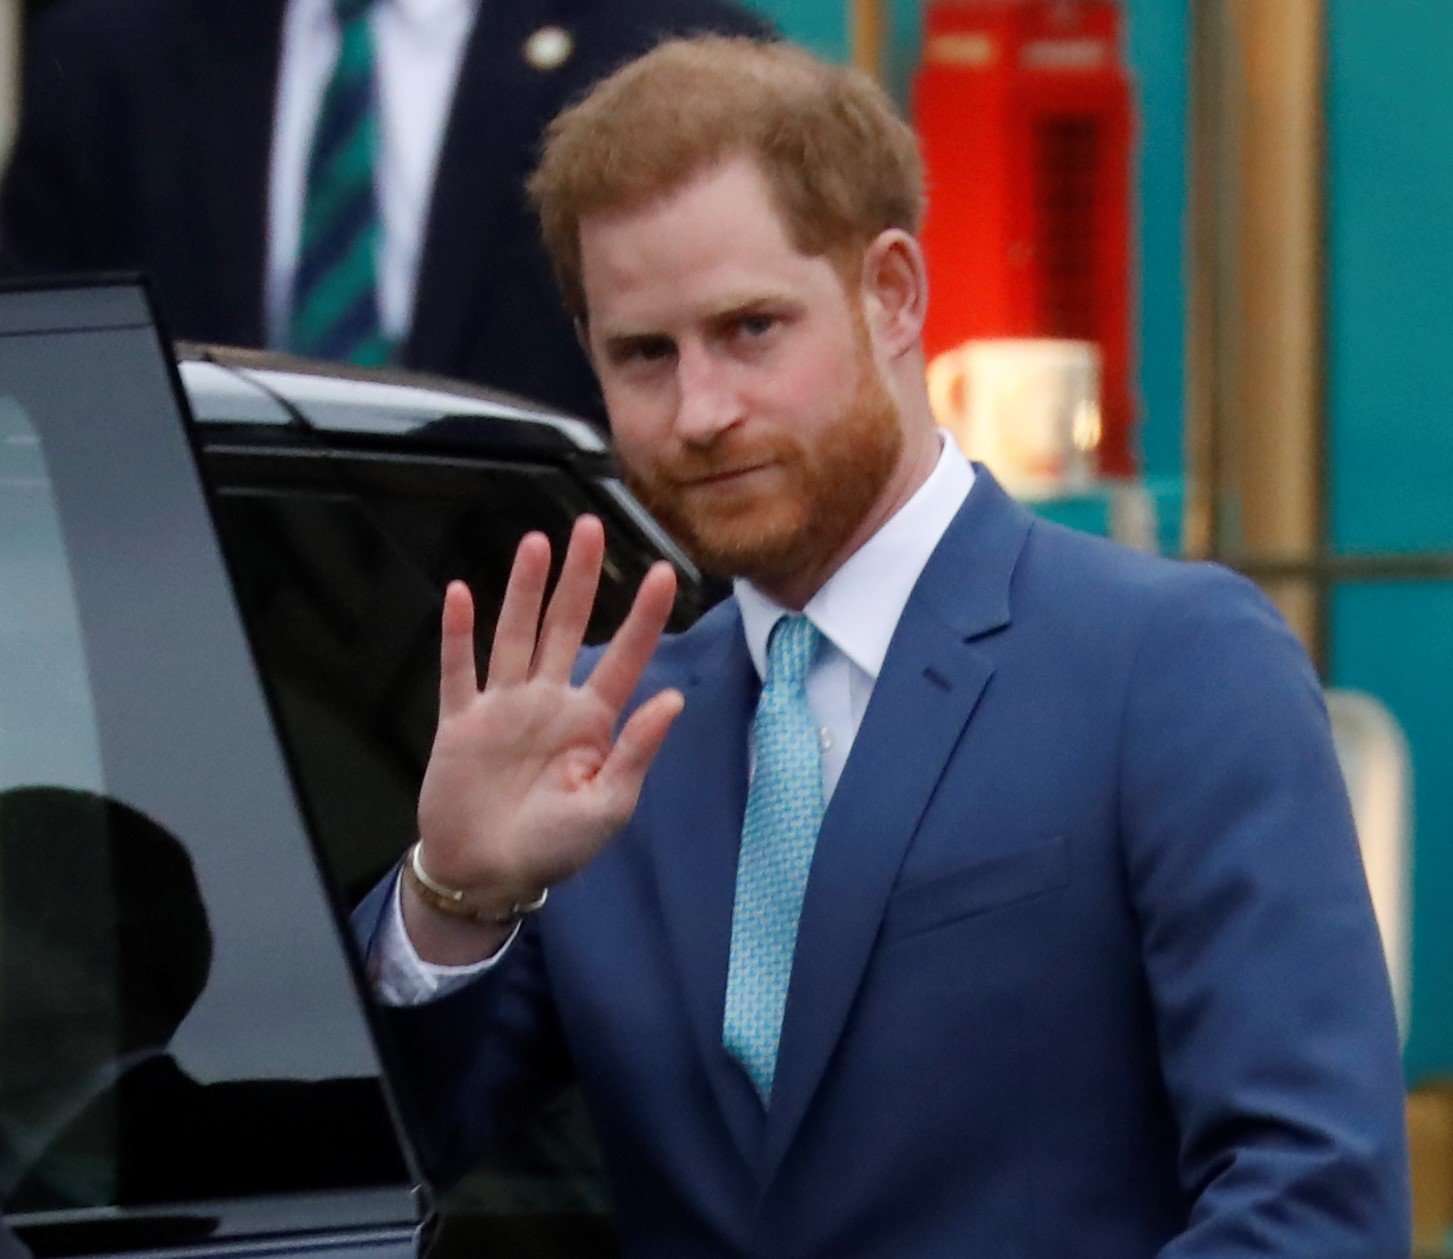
{"points": [[821, 25], [1159, 56], [1390, 453], [1395, 641], [1390, 273]]}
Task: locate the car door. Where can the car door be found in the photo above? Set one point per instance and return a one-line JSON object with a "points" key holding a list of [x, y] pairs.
{"points": [[344, 524], [186, 1062]]}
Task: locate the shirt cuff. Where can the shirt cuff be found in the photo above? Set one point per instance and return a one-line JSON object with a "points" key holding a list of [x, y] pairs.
{"points": [[402, 977]]}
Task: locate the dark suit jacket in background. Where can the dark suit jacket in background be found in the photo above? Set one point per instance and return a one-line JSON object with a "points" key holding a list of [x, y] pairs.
{"points": [[1086, 968], [145, 138]]}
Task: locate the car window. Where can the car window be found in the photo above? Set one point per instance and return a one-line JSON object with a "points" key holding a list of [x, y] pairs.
{"points": [[180, 1029], [342, 562], [342, 559]]}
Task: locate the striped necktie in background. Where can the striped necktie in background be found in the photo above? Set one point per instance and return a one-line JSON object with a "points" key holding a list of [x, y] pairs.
{"points": [[335, 312]]}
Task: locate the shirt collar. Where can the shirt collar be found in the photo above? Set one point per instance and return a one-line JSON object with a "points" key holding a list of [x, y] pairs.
{"points": [[426, 11], [421, 12], [859, 606]]}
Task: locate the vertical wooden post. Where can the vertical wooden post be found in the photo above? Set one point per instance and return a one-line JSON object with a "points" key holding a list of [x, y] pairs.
{"points": [[9, 72], [866, 36], [1257, 429], [1211, 276], [1281, 446]]}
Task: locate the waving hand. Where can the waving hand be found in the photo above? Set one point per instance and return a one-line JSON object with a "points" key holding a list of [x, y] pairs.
{"points": [[528, 778]]}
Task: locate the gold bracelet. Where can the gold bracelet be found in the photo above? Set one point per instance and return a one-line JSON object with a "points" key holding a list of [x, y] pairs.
{"points": [[450, 901]]}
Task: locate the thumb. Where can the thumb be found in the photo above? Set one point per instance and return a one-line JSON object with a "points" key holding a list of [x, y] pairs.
{"points": [[624, 771]]}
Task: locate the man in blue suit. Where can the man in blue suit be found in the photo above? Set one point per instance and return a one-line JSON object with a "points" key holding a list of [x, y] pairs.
{"points": [[964, 886]]}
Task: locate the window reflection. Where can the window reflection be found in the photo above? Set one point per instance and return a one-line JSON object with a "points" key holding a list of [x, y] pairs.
{"points": [[104, 948]]}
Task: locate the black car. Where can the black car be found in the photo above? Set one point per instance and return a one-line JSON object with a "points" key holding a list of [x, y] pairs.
{"points": [[218, 670]]}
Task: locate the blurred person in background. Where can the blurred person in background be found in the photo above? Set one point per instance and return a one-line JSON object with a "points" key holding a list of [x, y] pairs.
{"points": [[338, 178]]}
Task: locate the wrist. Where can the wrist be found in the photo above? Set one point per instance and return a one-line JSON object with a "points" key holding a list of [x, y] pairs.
{"points": [[473, 905], [439, 940]]}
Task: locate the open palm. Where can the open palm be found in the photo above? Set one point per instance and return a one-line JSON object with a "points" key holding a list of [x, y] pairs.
{"points": [[528, 778]]}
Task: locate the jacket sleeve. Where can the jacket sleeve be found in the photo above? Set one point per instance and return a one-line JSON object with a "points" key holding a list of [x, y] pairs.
{"points": [[472, 1066], [1272, 1004]]}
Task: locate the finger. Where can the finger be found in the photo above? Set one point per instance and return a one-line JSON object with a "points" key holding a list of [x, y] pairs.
{"points": [[569, 612], [457, 682], [635, 748], [519, 613], [619, 668]]}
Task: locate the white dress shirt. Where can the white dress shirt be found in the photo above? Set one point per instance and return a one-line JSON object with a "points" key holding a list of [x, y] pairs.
{"points": [[859, 607], [856, 611], [418, 47]]}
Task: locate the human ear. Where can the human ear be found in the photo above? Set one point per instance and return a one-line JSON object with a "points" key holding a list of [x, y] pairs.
{"points": [[895, 291]]}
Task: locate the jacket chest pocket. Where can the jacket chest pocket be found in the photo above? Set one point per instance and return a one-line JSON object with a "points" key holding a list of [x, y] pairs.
{"points": [[977, 889]]}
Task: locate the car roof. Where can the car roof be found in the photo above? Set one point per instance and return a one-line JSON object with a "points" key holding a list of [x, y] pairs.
{"points": [[226, 385]]}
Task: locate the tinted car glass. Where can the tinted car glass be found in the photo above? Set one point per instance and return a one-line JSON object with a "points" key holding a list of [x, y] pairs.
{"points": [[184, 1053], [342, 554], [342, 560]]}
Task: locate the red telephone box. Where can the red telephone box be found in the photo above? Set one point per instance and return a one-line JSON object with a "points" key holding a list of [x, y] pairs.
{"points": [[1024, 111]]}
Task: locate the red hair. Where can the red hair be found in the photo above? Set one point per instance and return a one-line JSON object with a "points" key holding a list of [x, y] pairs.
{"points": [[841, 164]]}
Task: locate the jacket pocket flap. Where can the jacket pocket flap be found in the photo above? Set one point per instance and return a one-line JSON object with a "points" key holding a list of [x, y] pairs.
{"points": [[1001, 880]]}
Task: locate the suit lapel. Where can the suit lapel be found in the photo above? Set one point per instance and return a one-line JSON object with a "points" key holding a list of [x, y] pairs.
{"points": [[495, 119], [234, 64], [696, 796], [926, 694]]}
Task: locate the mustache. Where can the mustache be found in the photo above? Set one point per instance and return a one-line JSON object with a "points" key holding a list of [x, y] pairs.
{"points": [[729, 454]]}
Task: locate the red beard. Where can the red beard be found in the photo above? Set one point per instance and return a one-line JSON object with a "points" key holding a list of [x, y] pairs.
{"points": [[794, 517]]}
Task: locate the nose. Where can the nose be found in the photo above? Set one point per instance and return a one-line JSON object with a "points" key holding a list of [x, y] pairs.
{"points": [[707, 401]]}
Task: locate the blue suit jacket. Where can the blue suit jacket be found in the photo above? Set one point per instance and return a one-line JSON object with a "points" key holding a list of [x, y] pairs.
{"points": [[1086, 965]]}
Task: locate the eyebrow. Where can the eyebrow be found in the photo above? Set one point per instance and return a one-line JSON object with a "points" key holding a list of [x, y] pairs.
{"points": [[736, 308], [619, 342], [764, 304]]}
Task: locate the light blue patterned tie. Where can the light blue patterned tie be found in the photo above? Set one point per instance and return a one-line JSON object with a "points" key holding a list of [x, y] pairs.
{"points": [[779, 832]]}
